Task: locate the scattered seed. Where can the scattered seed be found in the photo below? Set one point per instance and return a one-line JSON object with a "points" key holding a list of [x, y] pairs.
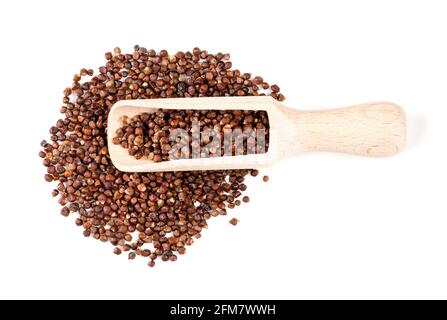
{"points": [[65, 212], [254, 172], [234, 221], [274, 88], [165, 210]]}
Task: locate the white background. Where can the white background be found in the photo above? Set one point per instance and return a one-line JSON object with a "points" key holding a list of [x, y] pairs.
{"points": [[325, 226]]}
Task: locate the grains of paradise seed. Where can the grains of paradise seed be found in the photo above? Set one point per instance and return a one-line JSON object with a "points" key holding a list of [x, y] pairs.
{"points": [[146, 135], [167, 210], [234, 221]]}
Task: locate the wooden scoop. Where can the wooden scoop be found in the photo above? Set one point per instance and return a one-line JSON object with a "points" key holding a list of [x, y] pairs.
{"points": [[373, 129]]}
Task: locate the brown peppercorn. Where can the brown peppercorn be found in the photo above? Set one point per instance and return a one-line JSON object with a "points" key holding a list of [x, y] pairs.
{"points": [[67, 92], [265, 178], [141, 187], [203, 88], [234, 221], [245, 199], [65, 212], [274, 88]]}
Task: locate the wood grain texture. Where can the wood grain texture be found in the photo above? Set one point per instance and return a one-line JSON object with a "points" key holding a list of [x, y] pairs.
{"points": [[374, 129]]}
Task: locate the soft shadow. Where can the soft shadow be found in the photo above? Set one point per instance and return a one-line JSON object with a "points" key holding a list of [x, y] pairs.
{"points": [[416, 129]]}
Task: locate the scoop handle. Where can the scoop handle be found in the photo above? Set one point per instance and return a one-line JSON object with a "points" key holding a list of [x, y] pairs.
{"points": [[373, 129]]}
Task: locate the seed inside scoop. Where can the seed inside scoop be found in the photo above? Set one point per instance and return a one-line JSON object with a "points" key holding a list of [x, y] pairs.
{"points": [[170, 134]]}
